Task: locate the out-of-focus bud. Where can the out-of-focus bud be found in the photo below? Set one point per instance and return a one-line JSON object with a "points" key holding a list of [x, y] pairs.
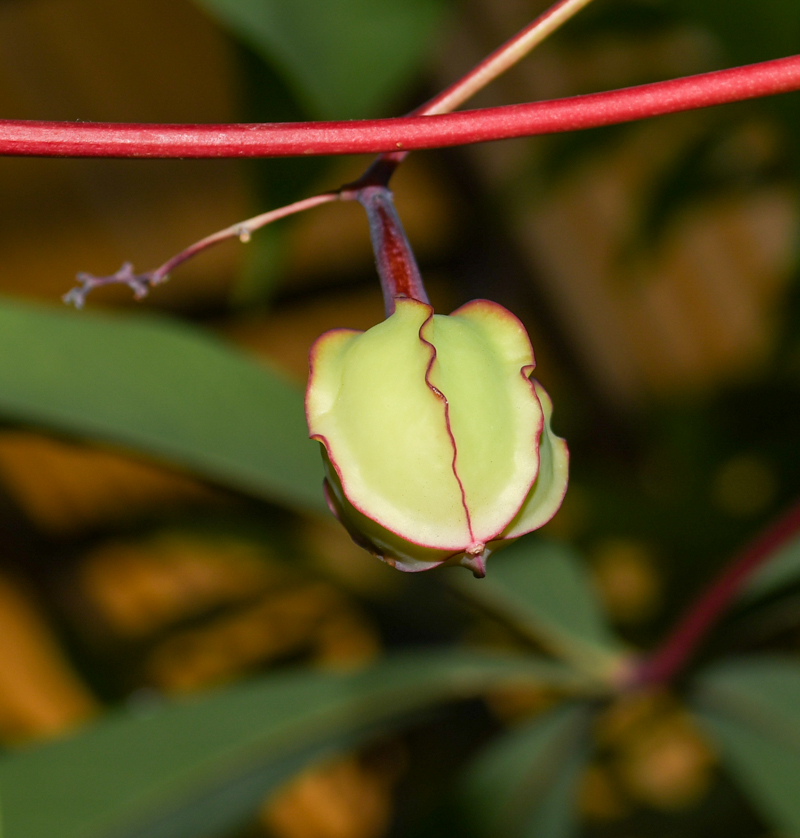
{"points": [[437, 443]]}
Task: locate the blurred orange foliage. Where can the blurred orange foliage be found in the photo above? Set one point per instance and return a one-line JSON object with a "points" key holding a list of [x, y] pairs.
{"points": [[40, 694]]}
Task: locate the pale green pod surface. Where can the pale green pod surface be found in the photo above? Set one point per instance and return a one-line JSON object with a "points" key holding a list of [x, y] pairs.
{"points": [[437, 444]]}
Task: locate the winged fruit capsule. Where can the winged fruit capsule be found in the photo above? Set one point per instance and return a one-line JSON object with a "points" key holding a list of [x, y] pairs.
{"points": [[436, 441]]}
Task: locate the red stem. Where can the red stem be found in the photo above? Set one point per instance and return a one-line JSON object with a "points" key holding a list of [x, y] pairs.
{"points": [[668, 660], [396, 264], [397, 267], [67, 139], [482, 74]]}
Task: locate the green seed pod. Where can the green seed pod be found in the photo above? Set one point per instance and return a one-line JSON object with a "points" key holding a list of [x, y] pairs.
{"points": [[437, 443]]}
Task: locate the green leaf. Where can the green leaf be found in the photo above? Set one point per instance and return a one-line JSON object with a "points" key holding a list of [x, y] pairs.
{"points": [[200, 765], [543, 588], [766, 769], [781, 570], [162, 388], [344, 58], [556, 816], [523, 785], [752, 709], [764, 691]]}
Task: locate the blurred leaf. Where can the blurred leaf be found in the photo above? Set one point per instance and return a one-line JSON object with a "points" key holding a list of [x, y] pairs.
{"points": [[523, 785], [766, 769], [543, 588], [163, 388], [344, 58], [781, 570], [752, 709], [556, 815], [200, 766], [763, 691]]}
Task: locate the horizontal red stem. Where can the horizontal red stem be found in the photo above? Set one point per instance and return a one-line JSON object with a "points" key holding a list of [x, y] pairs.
{"points": [[82, 139]]}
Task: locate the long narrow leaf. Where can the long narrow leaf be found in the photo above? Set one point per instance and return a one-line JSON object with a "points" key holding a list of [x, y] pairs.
{"points": [[752, 709], [162, 388], [153, 774], [781, 570], [345, 58], [763, 690], [523, 785], [766, 769], [556, 815]]}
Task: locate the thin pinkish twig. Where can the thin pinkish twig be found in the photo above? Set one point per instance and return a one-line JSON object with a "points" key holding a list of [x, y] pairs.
{"points": [[481, 75], [375, 176], [502, 58], [140, 284]]}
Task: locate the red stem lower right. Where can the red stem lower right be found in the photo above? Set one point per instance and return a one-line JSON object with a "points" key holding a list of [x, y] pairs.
{"points": [[667, 661]]}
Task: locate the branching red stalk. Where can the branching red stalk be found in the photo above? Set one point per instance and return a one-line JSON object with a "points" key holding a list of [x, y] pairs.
{"points": [[670, 658], [395, 259], [67, 139], [481, 75]]}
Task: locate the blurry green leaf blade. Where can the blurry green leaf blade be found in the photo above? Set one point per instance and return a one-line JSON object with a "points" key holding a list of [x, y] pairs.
{"points": [[779, 571], [231, 804], [556, 816], [344, 58], [763, 691], [163, 388], [766, 770], [523, 785], [148, 774], [544, 589], [752, 709]]}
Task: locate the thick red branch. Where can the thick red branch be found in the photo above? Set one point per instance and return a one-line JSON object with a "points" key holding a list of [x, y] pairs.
{"points": [[67, 139]]}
